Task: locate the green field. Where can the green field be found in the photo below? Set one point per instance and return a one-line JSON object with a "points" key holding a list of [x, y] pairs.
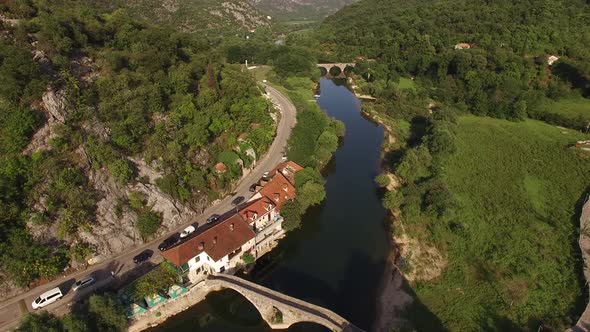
{"points": [[574, 108], [406, 83], [512, 241]]}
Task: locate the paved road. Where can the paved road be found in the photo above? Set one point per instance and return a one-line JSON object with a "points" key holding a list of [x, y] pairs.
{"points": [[12, 309]]}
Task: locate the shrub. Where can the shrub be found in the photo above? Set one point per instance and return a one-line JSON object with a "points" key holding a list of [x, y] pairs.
{"points": [[148, 223], [382, 180]]}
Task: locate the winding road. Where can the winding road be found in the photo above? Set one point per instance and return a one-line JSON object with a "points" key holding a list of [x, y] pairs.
{"points": [[14, 308]]}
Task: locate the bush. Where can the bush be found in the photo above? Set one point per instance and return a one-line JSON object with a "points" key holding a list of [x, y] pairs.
{"points": [[248, 258], [382, 180], [148, 223]]}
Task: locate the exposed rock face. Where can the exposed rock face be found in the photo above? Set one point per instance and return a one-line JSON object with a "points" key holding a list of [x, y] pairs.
{"points": [[583, 323], [425, 262], [55, 107]]}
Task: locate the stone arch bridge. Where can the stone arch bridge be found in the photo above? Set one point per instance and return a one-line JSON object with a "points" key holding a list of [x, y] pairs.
{"points": [[293, 310], [341, 65]]}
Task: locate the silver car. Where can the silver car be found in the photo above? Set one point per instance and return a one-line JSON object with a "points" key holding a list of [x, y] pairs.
{"points": [[84, 282]]}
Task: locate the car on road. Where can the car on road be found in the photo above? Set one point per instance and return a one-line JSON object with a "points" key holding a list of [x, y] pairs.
{"points": [[263, 81], [143, 256], [237, 200], [284, 158], [187, 231], [83, 282], [213, 218], [168, 243], [47, 298], [253, 188]]}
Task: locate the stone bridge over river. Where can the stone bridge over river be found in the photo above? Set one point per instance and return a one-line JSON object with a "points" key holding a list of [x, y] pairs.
{"points": [[331, 71], [293, 310]]}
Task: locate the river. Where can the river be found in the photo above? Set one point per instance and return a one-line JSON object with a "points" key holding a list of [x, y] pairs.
{"points": [[337, 258]]}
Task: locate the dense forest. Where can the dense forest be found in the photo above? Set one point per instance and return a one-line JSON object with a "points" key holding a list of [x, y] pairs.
{"points": [[480, 191], [503, 74]]}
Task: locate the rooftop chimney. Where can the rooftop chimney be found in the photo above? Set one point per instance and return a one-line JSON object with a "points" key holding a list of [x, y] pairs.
{"points": [[215, 240], [286, 188], [201, 245], [231, 226]]}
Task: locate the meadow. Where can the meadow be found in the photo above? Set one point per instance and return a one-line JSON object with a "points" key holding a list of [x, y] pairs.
{"points": [[511, 240]]}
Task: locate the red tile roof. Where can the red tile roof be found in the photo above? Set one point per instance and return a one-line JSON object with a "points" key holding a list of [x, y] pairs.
{"points": [[220, 167], [288, 169], [279, 190], [257, 209], [218, 241]]}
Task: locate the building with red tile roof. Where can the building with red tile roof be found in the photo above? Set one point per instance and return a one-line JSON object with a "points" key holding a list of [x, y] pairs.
{"points": [[288, 169], [214, 248], [279, 189], [259, 213], [220, 167]]}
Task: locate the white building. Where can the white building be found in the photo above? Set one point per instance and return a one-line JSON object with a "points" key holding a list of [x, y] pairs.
{"points": [[551, 59], [217, 249]]}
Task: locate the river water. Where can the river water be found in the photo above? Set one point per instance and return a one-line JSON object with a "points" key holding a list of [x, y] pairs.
{"points": [[337, 258]]}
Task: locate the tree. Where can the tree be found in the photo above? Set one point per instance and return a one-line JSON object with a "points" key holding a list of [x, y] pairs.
{"points": [[148, 223], [106, 314], [158, 280], [382, 180], [311, 194], [40, 322], [393, 200], [291, 212]]}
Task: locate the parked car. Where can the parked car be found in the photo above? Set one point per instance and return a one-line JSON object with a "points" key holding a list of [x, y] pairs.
{"points": [[253, 188], [284, 158], [213, 218], [265, 174], [237, 200], [169, 242], [47, 298], [187, 231], [83, 282], [143, 256]]}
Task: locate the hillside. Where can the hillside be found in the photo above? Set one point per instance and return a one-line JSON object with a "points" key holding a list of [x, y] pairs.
{"points": [[300, 10], [204, 15], [110, 133]]}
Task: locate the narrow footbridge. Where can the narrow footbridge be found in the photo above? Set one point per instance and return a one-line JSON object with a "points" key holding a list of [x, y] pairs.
{"points": [[293, 310]]}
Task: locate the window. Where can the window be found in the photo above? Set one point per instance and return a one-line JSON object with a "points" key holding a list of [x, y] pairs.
{"points": [[197, 259]]}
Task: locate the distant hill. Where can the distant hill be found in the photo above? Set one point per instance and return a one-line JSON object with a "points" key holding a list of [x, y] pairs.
{"points": [[191, 16], [300, 9]]}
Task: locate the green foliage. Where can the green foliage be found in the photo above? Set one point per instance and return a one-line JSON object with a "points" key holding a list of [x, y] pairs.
{"points": [[504, 74], [507, 184], [311, 194], [106, 314], [40, 322], [248, 259], [148, 223], [291, 212], [157, 281], [122, 170], [382, 180], [26, 260]]}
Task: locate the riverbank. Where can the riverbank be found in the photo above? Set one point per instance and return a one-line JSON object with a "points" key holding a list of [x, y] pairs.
{"points": [[393, 297]]}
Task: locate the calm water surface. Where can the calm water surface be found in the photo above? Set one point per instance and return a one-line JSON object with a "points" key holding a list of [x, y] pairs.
{"points": [[337, 258]]}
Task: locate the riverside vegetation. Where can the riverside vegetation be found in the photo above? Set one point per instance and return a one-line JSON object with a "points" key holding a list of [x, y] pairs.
{"points": [[498, 194]]}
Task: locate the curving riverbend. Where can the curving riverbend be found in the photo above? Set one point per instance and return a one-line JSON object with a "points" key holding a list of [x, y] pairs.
{"points": [[337, 258]]}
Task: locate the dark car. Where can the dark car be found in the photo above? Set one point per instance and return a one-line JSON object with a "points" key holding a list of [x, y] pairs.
{"points": [[213, 218], [166, 244], [253, 188], [237, 200], [144, 256]]}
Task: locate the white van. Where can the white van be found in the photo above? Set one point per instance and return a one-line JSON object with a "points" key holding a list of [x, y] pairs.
{"points": [[47, 298]]}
